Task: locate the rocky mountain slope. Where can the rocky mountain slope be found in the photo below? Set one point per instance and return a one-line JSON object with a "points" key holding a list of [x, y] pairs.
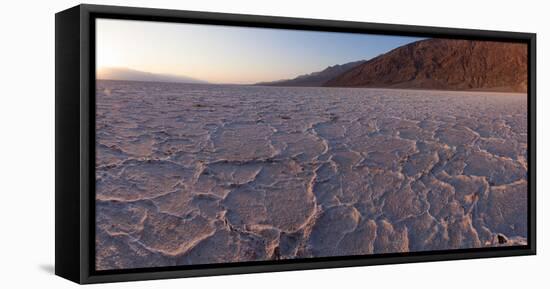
{"points": [[443, 64]]}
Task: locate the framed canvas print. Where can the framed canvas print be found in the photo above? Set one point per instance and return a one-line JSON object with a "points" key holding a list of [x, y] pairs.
{"points": [[192, 143]]}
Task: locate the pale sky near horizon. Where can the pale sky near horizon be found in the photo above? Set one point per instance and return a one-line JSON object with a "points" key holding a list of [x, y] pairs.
{"points": [[228, 54]]}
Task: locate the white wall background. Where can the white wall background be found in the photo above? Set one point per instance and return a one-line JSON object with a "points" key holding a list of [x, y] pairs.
{"points": [[27, 144]]}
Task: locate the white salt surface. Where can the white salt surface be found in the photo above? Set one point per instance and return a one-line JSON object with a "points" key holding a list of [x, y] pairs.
{"points": [[196, 174]]}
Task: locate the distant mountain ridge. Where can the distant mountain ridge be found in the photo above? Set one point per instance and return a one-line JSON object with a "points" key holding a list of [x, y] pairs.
{"points": [[118, 73], [443, 64], [318, 78]]}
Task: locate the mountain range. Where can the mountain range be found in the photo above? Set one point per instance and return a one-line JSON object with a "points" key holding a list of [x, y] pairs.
{"points": [[318, 78], [118, 73], [431, 64]]}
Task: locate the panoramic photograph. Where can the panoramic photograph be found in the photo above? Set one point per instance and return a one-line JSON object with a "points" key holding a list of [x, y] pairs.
{"points": [[222, 144]]}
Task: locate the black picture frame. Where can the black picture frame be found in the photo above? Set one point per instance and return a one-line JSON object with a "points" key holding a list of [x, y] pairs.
{"points": [[75, 142]]}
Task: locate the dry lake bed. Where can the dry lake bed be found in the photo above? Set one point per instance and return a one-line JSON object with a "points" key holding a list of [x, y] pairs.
{"points": [[198, 174]]}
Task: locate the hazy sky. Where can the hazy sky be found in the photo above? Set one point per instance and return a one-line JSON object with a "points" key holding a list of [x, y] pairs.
{"points": [[225, 54]]}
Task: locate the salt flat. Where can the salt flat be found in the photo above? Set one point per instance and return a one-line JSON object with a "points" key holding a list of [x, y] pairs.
{"points": [[195, 174]]}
